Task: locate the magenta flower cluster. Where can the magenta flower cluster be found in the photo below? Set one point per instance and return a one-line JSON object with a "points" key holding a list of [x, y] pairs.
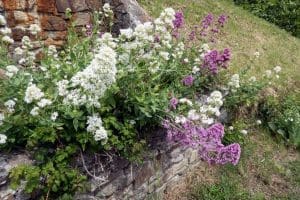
{"points": [[179, 20], [188, 80], [173, 103], [208, 141], [213, 60]]}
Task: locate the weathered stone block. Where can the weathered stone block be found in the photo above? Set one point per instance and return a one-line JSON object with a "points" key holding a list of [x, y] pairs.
{"points": [[46, 6], [20, 17], [93, 4], [81, 19], [78, 5], [143, 174], [53, 23], [62, 5], [18, 4]]}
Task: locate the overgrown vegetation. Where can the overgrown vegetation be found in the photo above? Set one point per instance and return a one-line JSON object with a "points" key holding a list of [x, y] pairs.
{"points": [[283, 13]]}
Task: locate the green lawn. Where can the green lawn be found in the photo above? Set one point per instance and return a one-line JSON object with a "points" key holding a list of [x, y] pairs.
{"points": [[244, 34]]}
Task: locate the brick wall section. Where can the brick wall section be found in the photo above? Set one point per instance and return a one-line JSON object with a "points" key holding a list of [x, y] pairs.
{"points": [[50, 15]]}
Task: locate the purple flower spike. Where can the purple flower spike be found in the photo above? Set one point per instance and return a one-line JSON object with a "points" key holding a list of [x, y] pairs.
{"points": [[188, 80], [222, 20], [179, 20], [173, 102], [207, 21]]}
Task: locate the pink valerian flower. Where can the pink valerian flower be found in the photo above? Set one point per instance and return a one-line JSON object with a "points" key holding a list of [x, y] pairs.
{"points": [[188, 80], [222, 20], [173, 102], [207, 21], [179, 20], [208, 141], [89, 30], [214, 59]]}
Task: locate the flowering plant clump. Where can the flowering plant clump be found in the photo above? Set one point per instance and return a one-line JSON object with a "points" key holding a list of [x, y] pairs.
{"points": [[100, 93]]}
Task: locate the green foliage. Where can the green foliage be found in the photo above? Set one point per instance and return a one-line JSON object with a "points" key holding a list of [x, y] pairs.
{"points": [[284, 13], [282, 116], [225, 190]]}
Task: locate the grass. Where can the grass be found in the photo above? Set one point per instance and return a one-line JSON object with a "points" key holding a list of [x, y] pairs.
{"points": [[267, 170], [244, 34]]}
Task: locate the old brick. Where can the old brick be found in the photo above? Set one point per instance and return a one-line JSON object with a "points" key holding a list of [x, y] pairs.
{"points": [[81, 19], [78, 5], [18, 33], [46, 6], [10, 18], [20, 17], [146, 171], [93, 4], [62, 5], [18, 4], [50, 41], [53, 23]]}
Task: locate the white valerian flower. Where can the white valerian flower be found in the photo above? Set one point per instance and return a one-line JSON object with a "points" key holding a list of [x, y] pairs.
{"points": [[193, 115], [34, 29], [100, 134], [195, 69], [258, 122], [107, 10], [126, 33], [44, 102], [2, 20], [33, 93], [62, 87], [10, 105], [11, 70], [90, 84], [230, 128], [234, 82], [277, 69], [107, 40], [206, 120], [5, 31], [268, 73], [1, 118], [26, 42], [186, 101], [52, 51], [164, 55], [180, 119], [3, 137], [95, 126], [35, 111], [19, 51], [252, 79], [7, 39], [54, 116], [204, 48], [22, 61], [186, 60], [244, 132], [257, 54]]}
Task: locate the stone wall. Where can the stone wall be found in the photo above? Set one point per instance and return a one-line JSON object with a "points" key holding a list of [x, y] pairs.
{"points": [[50, 15], [165, 165]]}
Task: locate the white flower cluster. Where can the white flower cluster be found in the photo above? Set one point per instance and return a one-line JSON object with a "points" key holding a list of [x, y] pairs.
{"points": [[95, 126], [33, 93], [3, 139], [1, 118], [90, 84], [2, 20], [11, 70], [5, 32], [34, 29], [52, 51], [234, 83], [107, 10], [10, 105], [54, 116], [108, 40], [166, 18], [208, 110]]}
